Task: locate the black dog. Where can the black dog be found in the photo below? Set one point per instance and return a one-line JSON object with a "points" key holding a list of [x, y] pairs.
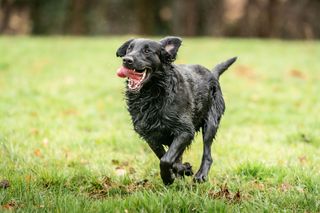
{"points": [[168, 103]]}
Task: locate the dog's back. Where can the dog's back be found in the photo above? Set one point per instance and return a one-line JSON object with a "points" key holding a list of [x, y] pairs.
{"points": [[199, 84]]}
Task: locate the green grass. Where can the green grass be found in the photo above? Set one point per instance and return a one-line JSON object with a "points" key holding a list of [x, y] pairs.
{"points": [[65, 134]]}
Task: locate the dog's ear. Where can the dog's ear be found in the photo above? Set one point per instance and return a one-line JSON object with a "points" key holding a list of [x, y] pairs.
{"points": [[171, 46], [123, 48]]}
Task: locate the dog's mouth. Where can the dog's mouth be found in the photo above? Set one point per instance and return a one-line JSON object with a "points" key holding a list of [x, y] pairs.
{"points": [[136, 77]]}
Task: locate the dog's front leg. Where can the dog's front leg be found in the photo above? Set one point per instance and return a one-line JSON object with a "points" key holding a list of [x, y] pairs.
{"points": [[175, 150], [157, 149]]}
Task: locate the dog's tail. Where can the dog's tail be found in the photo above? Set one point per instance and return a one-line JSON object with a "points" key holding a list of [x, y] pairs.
{"points": [[220, 68]]}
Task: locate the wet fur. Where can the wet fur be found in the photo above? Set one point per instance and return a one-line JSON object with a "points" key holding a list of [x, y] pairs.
{"points": [[175, 103]]}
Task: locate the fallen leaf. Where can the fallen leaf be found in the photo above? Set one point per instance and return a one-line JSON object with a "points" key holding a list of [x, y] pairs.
{"points": [[259, 186], [245, 72], [37, 152], [69, 112], [28, 178], [125, 163], [115, 162], [138, 185], [285, 187], [302, 159], [222, 193], [107, 183], [34, 131], [142, 182], [297, 74], [4, 184], [237, 196], [10, 205], [132, 170]]}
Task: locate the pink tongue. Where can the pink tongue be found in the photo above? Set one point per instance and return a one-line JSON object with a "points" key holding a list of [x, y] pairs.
{"points": [[123, 72]]}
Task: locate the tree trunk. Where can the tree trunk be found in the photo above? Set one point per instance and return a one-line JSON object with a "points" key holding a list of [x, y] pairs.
{"points": [[77, 24], [145, 16], [6, 7]]}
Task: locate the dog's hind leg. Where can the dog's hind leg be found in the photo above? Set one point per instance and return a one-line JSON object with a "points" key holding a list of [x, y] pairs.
{"points": [[209, 130]]}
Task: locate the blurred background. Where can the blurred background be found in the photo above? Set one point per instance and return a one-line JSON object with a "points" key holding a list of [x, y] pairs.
{"points": [[288, 19]]}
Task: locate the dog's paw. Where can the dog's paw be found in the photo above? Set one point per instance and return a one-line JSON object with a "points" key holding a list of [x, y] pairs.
{"points": [[180, 170], [200, 178], [188, 169], [167, 174], [167, 177]]}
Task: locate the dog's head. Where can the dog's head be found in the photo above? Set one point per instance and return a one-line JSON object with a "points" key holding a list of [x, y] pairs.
{"points": [[143, 57]]}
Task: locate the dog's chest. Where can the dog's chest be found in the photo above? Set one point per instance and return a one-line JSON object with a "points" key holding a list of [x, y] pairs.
{"points": [[152, 118]]}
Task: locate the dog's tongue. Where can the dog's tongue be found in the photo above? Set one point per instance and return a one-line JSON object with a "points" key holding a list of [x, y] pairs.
{"points": [[123, 72]]}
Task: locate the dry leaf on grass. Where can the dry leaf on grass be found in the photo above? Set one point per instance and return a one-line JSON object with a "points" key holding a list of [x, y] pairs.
{"points": [[297, 74], [115, 162], [224, 192], [245, 72], [34, 131], [302, 159], [285, 187], [258, 185], [28, 178], [101, 190], [4, 184], [37, 152], [10, 205]]}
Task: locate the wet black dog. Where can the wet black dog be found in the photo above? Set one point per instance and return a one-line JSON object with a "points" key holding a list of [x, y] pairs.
{"points": [[168, 103]]}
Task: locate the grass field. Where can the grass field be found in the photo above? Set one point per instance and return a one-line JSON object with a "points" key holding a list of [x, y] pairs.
{"points": [[67, 143]]}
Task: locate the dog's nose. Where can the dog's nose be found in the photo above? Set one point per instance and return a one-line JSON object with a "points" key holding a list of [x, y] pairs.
{"points": [[127, 60]]}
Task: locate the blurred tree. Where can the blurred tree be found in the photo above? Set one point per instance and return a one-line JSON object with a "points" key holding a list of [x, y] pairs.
{"points": [[247, 18], [6, 6], [145, 13], [77, 17]]}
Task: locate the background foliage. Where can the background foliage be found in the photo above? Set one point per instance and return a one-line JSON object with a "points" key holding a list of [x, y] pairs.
{"points": [[245, 18]]}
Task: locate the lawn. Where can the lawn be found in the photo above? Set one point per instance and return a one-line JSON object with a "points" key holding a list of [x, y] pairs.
{"points": [[67, 143]]}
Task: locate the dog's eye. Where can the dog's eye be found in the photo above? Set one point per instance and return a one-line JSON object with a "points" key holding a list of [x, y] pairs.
{"points": [[129, 48], [146, 50]]}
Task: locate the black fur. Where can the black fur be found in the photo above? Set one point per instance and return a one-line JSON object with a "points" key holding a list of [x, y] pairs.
{"points": [[174, 102]]}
